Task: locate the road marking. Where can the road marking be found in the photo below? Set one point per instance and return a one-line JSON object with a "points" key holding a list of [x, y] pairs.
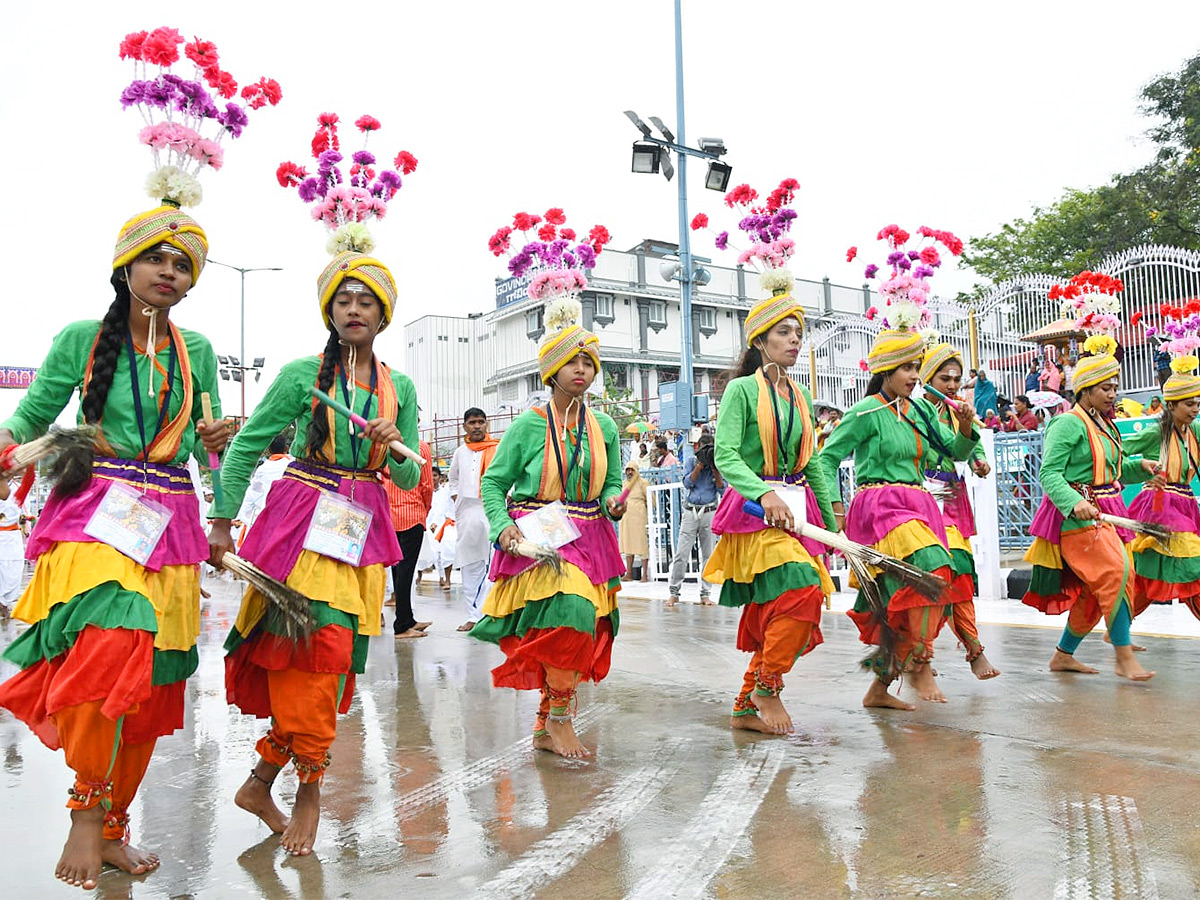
{"points": [[615, 807], [1104, 851], [691, 860]]}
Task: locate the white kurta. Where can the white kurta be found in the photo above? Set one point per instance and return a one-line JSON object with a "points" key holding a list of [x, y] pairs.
{"points": [[442, 509], [473, 545], [12, 551]]}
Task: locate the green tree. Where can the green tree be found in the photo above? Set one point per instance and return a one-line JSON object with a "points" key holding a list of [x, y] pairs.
{"points": [[619, 403], [1156, 204]]}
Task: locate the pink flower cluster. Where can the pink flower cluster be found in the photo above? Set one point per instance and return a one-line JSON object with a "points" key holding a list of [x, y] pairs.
{"points": [[549, 284], [348, 204], [183, 141], [772, 255]]}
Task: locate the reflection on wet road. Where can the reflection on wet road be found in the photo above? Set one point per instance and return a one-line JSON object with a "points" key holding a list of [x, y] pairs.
{"points": [[1030, 785]]}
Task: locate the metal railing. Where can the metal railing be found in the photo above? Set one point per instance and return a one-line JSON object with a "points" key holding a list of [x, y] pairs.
{"points": [[1018, 490]]}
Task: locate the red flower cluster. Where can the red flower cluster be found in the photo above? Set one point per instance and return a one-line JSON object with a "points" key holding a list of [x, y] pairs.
{"points": [[567, 234], [159, 47], [700, 220], [598, 237], [782, 195], [742, 195], [289, 174], [405, 162], [929, 256], [947, 239], [263, 92], [222, 82], [851, 253], [498, 243], [547, 232], [524, 221], [1190, 308], [1089, 283], [894, 234], [367, 123], [1136, 317], [555, 216]]}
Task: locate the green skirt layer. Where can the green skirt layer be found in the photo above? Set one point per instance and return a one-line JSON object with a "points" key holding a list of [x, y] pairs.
{"points": [[324, 615], [557, 611], [769, 585]]}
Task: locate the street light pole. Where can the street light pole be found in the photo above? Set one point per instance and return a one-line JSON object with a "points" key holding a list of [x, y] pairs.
{"points": [[685, 238], [242, 343]]}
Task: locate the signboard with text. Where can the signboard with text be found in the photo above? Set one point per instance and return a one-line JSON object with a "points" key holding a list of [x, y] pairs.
{"points": [[512, 290], [17, 376]]}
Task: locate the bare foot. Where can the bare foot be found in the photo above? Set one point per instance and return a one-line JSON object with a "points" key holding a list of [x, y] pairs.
{"points": [[81, 857], [774, 714], [300, 833], [205, 594], [390, 601], [254, 796], [543, 742], [877, 697], [982, 669], [749, 723], [1137, 648], [421, 626], [1129, 667], [564, 741], [465, 626], [671, 601], [1065, 662], [923, 683], [412, 633], [707, 601], [128, 858]]}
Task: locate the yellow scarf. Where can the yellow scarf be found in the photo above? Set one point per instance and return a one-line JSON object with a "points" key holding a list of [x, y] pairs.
{"points": [[767, 433]]}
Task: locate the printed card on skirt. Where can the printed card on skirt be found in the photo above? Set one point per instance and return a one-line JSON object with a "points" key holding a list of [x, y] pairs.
{"points": [[338, 529], [549, 526], [129, 522], [795, 500]]}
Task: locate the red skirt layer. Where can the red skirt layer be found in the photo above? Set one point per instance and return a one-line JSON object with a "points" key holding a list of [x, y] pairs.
{"points": [[330, 650], [802, 604], [560, 648], [909, 598]]}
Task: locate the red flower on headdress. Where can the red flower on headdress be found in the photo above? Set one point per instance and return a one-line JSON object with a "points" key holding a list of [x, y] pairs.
{"points": [[1192, 306], [271, 90], [289, 174], [161, 47], [131, 47], [700, 220], [252, 94], [367, 123], [405, 162], [851, 253], [862, 364], [498, 243], [328, 119], [743, 194], [599, 236], [1136, 317], [1056, 292], [901, 237], [929, 256], [547, 232], [567, 234], [523, 221], [872, 313], [202, 53], [222, 82], [555, 216]]}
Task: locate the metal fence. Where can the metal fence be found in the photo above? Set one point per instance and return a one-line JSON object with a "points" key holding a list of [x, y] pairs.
{"points": [[1018, 490]]}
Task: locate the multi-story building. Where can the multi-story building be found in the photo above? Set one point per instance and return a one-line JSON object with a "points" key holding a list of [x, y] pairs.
{"points": [[491, 360]]}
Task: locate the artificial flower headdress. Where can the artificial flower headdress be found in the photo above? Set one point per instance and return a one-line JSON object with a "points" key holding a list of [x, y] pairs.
{"points": [[905, 315], [1181, 329], [345, 208], [1090, 299], [767, 226]]}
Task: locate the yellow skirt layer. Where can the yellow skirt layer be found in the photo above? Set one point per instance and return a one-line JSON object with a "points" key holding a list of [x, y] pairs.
{"points": [[1184, 545], [903, 541], [511, 594], [742, 557], [955, 539], [68, 569], [356, 591], [1044, 554]]}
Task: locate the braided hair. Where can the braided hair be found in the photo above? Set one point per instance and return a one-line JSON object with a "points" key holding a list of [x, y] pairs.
{"points": [[318, 428], [108, 351]]}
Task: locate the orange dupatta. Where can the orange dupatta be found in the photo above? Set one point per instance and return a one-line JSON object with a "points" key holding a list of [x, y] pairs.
{"points": [[551, 486], [769, 428], [389, 407], [1100, 467]]}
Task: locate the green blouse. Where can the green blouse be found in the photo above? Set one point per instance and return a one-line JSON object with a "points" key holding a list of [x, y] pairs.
{"points": [[517, 466], [1067, 460], [62, 374], [886, 448], [947, 465], [739, 450], [288, 400], [1147, 444]]}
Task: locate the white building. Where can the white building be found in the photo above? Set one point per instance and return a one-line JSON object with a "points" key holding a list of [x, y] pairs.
{"points": [[491, 360]]}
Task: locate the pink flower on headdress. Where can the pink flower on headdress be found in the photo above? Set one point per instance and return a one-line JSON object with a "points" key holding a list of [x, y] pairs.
{"points": [[131, 47], [498, 243], [367, 124], [161, 46], [327, 119]]}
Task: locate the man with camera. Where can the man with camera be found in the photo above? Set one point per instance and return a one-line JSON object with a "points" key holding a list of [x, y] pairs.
{"points": [[702, 488]]}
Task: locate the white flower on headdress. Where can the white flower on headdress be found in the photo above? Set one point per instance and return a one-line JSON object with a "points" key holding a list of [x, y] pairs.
{"points": [[172, 183], [562, 313], [777, 280], [351, 236]]}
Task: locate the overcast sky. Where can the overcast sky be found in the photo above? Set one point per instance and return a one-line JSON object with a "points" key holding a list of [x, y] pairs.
{"points": [[955, 115]]}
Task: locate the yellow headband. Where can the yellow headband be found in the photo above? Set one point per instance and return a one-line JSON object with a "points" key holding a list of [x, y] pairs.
{"points": [[359, 266], [164, 225], [561, 347], [766, 314], [893, 348], [936, 357], [1093, 370]]}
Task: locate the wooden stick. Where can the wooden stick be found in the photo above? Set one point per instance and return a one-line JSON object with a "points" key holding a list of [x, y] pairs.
{"points": [[953, 404], [339, 407], [214, 461]]}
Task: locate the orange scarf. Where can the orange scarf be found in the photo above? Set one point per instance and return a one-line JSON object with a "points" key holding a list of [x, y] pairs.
{"points": [[767, 433], [551, 487], [389, 408], [487, 450], [1096, 438]]}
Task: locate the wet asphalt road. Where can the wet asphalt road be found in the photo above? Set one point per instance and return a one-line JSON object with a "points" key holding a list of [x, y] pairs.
{"points": [[1028, 786]]}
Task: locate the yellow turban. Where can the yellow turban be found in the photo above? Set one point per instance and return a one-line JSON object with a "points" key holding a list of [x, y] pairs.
{"points": [[1093, 370], [560, 347], [368, 270], [166, 224], [893, 348], [1181, 386], [766, 314], [936, 357]]}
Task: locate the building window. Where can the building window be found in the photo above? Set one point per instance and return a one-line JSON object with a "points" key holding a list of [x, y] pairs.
{"points": [[442, 337], [533, 383], [657, 318], [534, 328], [708, 320], [605, 309], [463, 340], [620, 377]]}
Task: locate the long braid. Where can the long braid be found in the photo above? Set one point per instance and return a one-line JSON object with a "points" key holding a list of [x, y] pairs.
{"points": [[318, 428], [108, 351]]}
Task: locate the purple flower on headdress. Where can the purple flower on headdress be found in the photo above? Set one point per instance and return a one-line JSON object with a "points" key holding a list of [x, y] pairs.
{"points": [[158, 93], [922, 271], [722, 240], [309, 189], [904, 263], [328, 159], [1151, 331], [586, 256], [389, 180], [871, 271], [783, 218], [364, 158], [521, 262], [568, 259], [750, 223], [234, 119], [135, 93], [895, 256], [914, 255]]}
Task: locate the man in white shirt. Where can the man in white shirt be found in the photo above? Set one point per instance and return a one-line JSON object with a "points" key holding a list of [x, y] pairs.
{"points": [[473, 552]]}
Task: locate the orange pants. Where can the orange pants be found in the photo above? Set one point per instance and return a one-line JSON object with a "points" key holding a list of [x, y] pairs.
{"points": [[962, 623], [918, 630], [101, 778], [1100, 560], [784, 639], [303, 720]]}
